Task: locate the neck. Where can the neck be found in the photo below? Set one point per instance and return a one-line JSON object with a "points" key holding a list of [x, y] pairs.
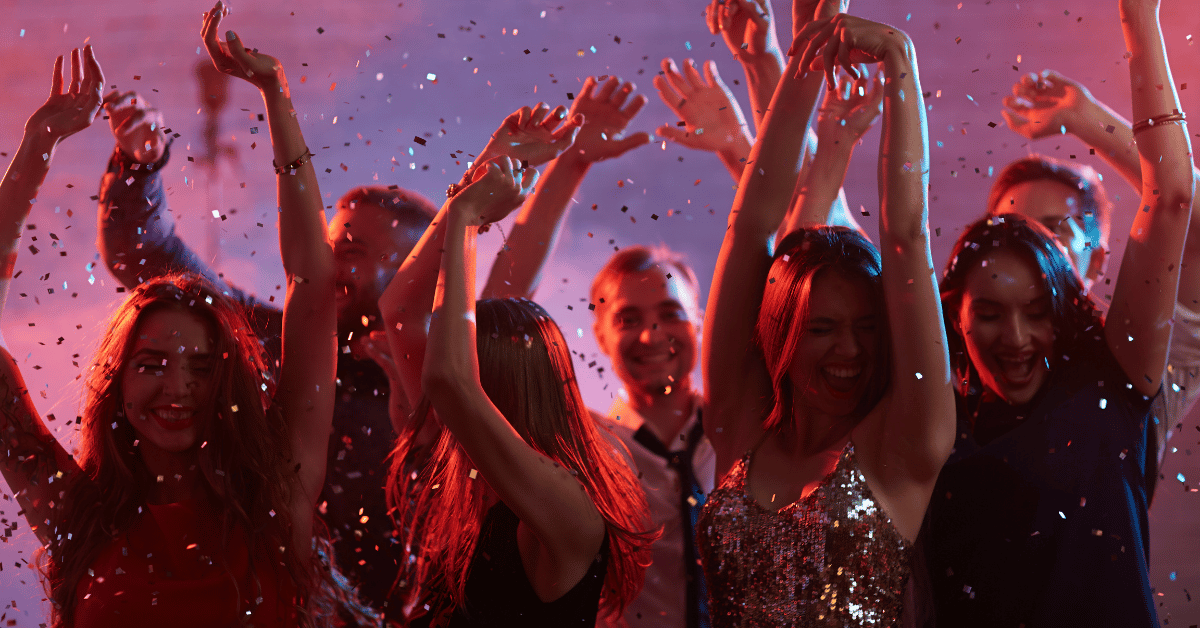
{"points": [[173, 477], [813, 432], [664, 414]]}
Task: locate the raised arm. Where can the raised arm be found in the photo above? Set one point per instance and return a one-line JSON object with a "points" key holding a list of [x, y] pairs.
{"points": [[845, 115], [606, 110], [711, 117], [135, 226], [34, 464], [306, 380], [748, 27], [1138, 326], [736, 383], [919, 415], [545, 496]]}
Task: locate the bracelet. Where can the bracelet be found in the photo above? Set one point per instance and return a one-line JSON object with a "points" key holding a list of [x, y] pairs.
{"points": [[292, 167], [1176, 116]]}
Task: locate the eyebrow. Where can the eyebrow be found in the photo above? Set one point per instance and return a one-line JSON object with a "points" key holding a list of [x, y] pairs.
{"points": [[827, 319], [992, 303]]}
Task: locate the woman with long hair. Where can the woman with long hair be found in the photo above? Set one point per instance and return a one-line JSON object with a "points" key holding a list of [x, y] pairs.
{"points": [[1040, 516], [827, 383], [526, 514], [191, 499]]}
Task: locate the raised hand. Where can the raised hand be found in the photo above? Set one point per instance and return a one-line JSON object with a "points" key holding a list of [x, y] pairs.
{"points": [[137, 127], [72, 107], [534, 136], [848, 111], [606, 109], [497, 188], [1045, 104], [805, 11], [713, 120], [234, 59], [844, 40], [748, 26]]}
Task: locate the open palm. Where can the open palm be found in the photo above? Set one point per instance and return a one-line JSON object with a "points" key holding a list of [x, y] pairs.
{"points": [[72, 107]]}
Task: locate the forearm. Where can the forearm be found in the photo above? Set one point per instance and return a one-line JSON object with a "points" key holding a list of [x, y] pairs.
{"points": [[766, 187], [762, 76], [817, 197], [903, 150], [18, 193], [735, 157], [519, 263], [452, 326], [406, 303], [1164, 149], [302, 243], [1116, 147]]}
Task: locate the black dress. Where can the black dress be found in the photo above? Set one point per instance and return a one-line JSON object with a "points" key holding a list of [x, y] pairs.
{"points": [[1039, 517], [498, 593]]}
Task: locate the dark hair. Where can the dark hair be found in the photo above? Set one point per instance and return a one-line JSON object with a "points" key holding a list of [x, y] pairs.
{"points": [[638, 259], [410, 208], [799, 259], [1094, 207], [525, 369], [244, 469], [1077, 324]]}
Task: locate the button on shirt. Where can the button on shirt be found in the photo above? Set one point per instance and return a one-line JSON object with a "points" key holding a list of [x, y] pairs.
{"points": [[663, 600]]}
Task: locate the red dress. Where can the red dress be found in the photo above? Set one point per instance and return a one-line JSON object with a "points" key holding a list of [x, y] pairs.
{"points": [[172, 569]]}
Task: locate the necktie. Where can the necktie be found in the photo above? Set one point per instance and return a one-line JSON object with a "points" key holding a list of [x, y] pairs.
{"points": [[691, 500]]}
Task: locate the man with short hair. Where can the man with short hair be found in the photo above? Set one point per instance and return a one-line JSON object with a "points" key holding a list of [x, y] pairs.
{"points": [[647, 322]]}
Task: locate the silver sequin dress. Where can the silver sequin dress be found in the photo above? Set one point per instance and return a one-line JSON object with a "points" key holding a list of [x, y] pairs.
{"points": [[832, 558]]}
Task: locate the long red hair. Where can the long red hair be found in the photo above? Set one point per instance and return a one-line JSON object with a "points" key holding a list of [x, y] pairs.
{"points": [[525, 368]]}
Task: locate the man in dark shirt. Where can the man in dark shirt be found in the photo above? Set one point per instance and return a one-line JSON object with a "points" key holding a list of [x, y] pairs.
{"points": [[371, 233]]}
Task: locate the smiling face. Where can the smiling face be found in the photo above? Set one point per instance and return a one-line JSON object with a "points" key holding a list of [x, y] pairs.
{"points": [[369, 245], [647, 327], [1056, 205], [166, 384], [836, 357], [1006, 322]]}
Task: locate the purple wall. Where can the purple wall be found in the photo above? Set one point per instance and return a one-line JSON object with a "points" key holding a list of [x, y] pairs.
{"points": [[365, 95]]}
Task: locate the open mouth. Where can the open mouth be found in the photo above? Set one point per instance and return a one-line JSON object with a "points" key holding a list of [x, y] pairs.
{"points": [[1017, 370], [841, 381], [173, 418], [654, 359]]}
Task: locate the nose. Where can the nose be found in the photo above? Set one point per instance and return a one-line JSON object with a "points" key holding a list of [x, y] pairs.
{"points": [[1016, 331], [652, 334], [177, 381], [848, 344]]}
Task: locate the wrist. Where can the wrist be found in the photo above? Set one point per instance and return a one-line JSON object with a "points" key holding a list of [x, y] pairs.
{"points": [[39, 141]]}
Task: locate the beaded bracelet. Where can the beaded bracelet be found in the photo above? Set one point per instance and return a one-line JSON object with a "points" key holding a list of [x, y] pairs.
{"points": [[293, 166], [1175, 117]]}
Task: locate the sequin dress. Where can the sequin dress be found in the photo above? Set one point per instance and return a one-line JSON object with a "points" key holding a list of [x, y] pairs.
{"points": [[832, 558]]}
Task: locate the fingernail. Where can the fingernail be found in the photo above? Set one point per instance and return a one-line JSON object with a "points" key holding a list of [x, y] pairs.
{"points": [[230, 35]]}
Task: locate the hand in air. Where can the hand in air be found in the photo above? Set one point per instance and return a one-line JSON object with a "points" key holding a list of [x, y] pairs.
{"points": [[1043, 104], [137, 127], [713, 120], [748, 26], [496, 189], [844, 40], [606, 109], [232, 57], [850, 109], [72, 107], [534, 136]]}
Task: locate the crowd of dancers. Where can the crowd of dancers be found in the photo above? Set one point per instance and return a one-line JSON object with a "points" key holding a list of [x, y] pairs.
{"points": [[874, 443]]}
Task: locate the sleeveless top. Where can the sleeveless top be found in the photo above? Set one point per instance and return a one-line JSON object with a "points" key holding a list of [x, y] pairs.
{"points": [[173, 569], [498, 592], [832, 558]]}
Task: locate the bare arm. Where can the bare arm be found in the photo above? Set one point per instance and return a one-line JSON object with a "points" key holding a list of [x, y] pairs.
{"points": [[1138, 325], [845, 115], [736, 383], [748, 27], [306, 380], [607, 110], [35, 466], [544, 495]]}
